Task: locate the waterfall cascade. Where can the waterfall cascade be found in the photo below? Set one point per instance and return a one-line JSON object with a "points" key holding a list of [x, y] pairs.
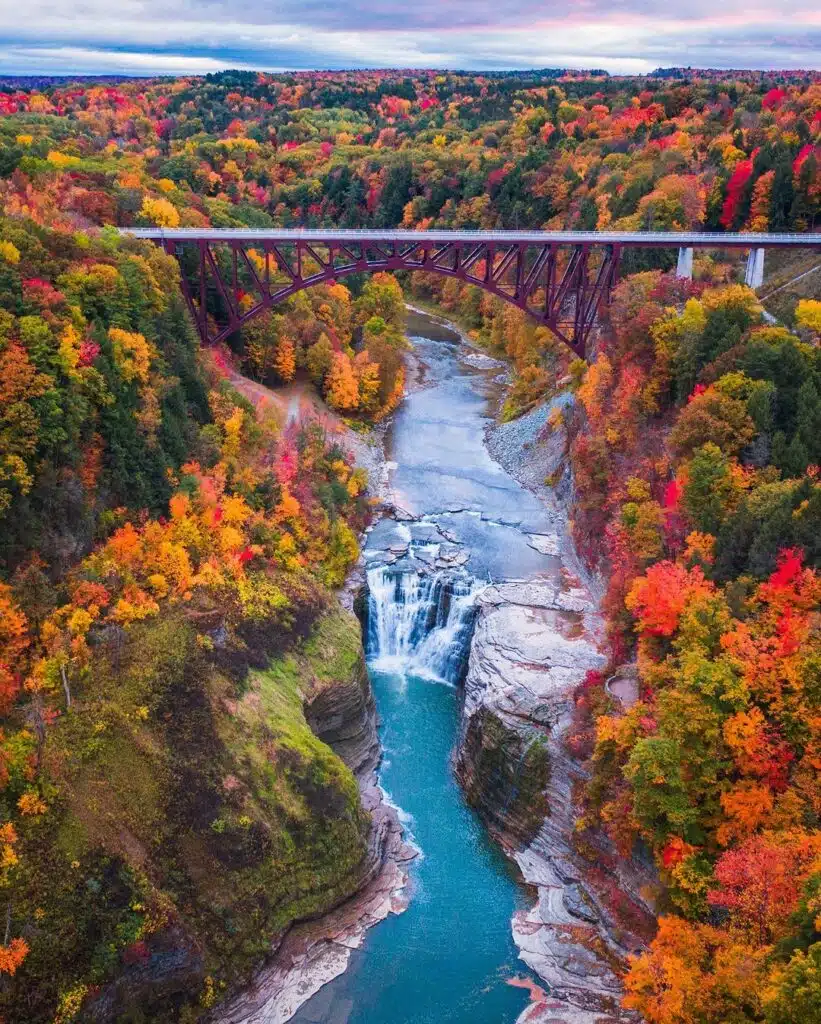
{"points": [[419, 623]]}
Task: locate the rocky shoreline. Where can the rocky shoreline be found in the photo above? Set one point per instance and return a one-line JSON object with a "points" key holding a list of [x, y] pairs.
{"points": [[312, 953], [533, 450], [533, 643]]}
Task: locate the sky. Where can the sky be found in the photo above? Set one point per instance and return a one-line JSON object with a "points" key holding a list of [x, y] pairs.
{"points": [[152, 37]]}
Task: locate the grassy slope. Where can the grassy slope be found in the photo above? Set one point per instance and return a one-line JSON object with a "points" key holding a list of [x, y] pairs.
{"points": [[781, 293], [190, 811]]}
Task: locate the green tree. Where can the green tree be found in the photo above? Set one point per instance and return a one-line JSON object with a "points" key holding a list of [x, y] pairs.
{"points": [[381, 297], [709, 489], [659, 794], [808, 420], [797, 996], [318, 359]]}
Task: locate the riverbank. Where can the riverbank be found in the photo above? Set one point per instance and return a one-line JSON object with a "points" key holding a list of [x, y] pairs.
{"points": [[533, 448], [591, 911], [451, 513], [313, 953], [338, 706]]}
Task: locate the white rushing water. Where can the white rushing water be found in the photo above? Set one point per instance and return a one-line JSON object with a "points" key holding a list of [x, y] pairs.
{"points": [[419, 623]]}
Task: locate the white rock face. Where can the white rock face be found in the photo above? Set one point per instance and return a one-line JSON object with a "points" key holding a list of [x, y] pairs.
{"points": [[482, 361], [524, 660], [545, 543], [533, 644]]}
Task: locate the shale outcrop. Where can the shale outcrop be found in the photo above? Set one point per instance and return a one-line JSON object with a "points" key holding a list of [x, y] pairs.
{"points": [[533, 643]]}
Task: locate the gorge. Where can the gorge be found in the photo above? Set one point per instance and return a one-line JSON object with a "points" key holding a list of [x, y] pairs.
{"points": [[475, 634], [347, 680]]}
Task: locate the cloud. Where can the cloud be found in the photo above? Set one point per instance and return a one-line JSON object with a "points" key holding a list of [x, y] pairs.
{"points": [[188, 36], [58, 60]]}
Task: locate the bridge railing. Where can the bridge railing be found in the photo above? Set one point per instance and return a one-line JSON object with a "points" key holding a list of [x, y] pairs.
{"points": [[650, 239]]}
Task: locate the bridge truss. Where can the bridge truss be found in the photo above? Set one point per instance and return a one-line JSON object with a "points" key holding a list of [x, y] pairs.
{"points": [[228, 283], [561, 279]]}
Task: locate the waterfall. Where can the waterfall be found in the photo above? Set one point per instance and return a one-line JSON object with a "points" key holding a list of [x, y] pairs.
{"points": [[419, 623]]}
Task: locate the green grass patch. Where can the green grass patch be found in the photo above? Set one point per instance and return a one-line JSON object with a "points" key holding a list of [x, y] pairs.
{"points": [[184, 808]]}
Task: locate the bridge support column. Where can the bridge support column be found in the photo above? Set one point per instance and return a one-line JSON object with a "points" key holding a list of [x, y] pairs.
{"points": [[684, 268], [754, 277]]}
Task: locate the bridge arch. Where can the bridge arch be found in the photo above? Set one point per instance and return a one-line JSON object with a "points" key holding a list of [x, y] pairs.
{"points": [[560, 278], [561, 287], [331, 277]]}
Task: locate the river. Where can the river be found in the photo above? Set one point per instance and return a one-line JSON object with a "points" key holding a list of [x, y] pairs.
{"points": [[450, 957]]}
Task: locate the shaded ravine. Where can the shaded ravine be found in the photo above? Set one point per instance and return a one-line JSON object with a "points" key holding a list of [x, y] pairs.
{"points": [[464, 523]]}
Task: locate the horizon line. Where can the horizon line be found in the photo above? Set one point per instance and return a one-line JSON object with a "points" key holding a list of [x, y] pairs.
{"points": [[430, 69]]}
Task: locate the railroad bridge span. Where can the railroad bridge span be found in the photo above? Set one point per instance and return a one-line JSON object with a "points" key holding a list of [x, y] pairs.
{"points": [[560, 278]]}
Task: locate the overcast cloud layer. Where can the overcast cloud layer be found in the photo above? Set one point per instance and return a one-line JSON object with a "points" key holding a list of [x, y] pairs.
{"points": [[148, 37]]}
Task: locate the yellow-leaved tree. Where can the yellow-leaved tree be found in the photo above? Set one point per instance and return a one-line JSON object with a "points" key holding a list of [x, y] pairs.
{"points": [[341, 383], [160, 212]]}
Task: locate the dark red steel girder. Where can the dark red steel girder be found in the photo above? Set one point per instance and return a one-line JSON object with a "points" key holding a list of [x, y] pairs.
{"points": [[562, 286]]}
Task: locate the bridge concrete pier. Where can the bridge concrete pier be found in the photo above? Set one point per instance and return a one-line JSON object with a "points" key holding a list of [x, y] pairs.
{"points": [[684, 268], [754, 276]]}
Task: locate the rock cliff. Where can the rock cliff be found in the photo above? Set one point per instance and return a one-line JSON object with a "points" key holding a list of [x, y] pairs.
{"points": [[525, 657], [338, 701], [339, 708], [532, 644]]}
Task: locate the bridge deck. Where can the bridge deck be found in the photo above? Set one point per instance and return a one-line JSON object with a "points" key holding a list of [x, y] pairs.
{"points": [[648, 239]]}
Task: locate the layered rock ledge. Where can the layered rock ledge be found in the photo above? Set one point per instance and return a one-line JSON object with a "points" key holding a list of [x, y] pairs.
{"points": [[315, 952], [339, 707], [531, 646]]}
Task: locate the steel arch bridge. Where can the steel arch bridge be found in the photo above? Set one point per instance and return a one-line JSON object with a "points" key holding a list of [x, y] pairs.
{"points": [[562, 279]]}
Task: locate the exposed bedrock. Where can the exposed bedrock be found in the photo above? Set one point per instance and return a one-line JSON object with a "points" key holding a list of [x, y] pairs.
{"points": [[342, 714], [339, 708], [528, 651], [504, 774], [531, 646], [174, 966]]}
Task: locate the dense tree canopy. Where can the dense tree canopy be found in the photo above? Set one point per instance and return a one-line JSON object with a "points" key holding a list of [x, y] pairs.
{"points": [[158, 535]]}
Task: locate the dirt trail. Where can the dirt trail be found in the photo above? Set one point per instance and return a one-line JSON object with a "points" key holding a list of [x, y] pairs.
{"points": [[298, 403]]}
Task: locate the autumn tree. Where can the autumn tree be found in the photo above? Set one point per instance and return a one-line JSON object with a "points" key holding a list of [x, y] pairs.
{"points": [[341, 384], [261, 337], [808, 315], [712, 417], [285, 359], [694, 974]]}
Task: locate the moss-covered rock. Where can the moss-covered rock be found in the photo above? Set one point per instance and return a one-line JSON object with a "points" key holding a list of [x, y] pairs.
{"points": [[192, 819], [339, 704], [504, 773]]}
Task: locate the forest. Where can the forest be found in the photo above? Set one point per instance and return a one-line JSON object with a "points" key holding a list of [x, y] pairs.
{"points": [[163, 543]]}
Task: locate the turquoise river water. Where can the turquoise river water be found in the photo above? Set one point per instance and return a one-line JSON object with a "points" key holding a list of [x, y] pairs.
{"points": [[449, 958]]}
